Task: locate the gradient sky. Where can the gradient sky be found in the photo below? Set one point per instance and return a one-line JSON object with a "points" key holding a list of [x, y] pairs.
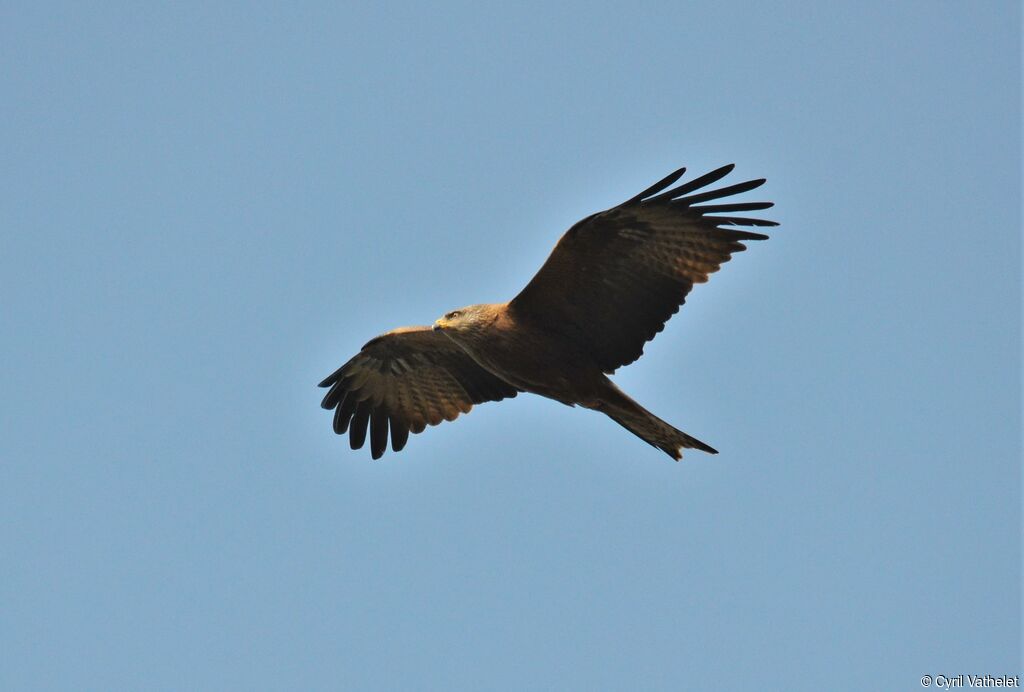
{"points": [[208, 207]]}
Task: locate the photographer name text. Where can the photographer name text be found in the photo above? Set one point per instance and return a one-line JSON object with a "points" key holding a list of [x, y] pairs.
{"points": [[948, 682]]}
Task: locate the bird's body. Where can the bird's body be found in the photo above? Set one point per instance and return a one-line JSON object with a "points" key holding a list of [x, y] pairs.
{"points": [[506, 346], [609, 286]]}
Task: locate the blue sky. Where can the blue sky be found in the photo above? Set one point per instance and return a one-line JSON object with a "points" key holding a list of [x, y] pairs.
{"points": [[207, 208]]}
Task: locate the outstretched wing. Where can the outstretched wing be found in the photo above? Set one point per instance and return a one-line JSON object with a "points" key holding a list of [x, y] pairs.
{"points": [[616, 277], [405, 380]]}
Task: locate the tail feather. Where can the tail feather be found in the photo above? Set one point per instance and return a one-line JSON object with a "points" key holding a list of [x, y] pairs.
{"points": [[651, 429]]}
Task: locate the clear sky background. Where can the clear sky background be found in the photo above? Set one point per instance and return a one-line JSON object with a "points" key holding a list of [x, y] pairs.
{"points": [[206, 208]]}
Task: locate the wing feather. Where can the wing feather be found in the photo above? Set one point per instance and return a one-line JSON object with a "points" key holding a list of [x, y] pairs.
{"points": [[402, 381], [378, 432], [695, 184], [616, 277], [357, 430]]}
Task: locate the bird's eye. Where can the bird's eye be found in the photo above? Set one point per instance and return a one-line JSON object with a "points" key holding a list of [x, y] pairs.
{"points": [[452, 315]]}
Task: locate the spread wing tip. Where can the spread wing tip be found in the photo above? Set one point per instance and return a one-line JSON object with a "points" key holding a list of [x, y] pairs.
{"points": [[331, 379], [657, 187], [744, 235]]}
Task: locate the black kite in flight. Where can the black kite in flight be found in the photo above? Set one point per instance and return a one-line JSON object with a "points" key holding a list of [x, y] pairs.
{"points": [[609, 286]]}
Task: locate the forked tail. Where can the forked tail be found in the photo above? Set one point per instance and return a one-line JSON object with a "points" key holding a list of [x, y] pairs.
{"points": [[649, 428]]}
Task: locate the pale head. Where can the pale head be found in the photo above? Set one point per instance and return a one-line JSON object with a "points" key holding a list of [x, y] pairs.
{"points": [[466, 321]]}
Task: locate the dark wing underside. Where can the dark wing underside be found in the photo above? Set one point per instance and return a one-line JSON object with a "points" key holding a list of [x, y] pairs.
{"points": [[405, 380], [616, 277]]}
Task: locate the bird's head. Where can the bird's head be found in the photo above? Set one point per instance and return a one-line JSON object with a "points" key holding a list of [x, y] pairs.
{"points": [[467, 320]]}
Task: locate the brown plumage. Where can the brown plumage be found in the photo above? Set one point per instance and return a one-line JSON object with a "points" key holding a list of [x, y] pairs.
{"points": [[609, 286]]}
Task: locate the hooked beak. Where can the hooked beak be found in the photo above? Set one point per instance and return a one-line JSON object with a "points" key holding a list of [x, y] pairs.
{"points": [[438, 326]]}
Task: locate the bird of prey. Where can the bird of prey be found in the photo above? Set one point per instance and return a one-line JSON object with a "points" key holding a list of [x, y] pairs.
{"points": [[609, 286]]}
